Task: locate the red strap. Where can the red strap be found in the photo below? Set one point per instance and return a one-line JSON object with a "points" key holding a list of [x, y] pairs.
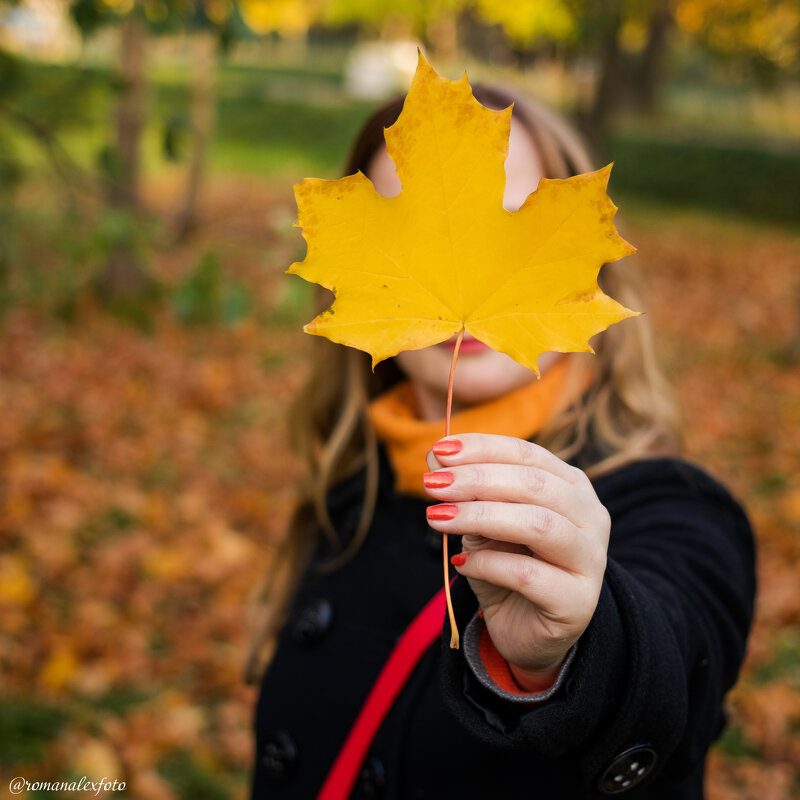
{"points": [[416, 639]]}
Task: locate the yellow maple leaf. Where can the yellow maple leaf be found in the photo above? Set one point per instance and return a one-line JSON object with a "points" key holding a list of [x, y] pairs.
{"points": [[413, 270]]}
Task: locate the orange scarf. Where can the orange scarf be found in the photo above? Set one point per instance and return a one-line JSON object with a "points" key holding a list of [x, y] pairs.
{"points": [[521, 413]]}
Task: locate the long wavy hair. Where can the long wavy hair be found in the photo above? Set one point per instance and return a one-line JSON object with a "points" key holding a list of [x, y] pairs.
{"points": [[628, 412]]}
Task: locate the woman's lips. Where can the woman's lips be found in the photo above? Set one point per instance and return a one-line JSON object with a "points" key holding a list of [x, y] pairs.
{"points": [[469, 344]]}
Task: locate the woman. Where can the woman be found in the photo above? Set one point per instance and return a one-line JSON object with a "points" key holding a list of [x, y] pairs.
{"points": [[604, 588]]}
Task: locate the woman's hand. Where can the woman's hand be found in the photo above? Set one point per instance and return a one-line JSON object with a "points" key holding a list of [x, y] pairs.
{"points": [[535, 538]]}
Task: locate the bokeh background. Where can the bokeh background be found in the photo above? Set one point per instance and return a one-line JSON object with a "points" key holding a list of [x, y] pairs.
{"points": [[150, 342]]}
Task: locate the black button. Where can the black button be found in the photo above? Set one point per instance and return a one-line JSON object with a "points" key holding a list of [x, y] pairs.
{"points": [[371, 780], [279, 756], [627, 770], [312, 622]]}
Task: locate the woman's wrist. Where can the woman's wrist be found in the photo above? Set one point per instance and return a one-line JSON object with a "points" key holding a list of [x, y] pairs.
{"points": [[535, 680]]}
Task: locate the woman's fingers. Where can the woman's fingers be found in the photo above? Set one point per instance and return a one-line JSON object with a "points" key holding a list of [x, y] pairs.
{"points": [[557, 594], [508, 483], [477, 448], [549, 535], [432, 461]]}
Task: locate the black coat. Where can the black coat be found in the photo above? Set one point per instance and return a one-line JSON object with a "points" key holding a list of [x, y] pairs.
{"points": [[642, 700]]}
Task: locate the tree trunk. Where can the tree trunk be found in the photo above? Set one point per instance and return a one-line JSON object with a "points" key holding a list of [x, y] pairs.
{"points": [[123, 275], [442, 34], [609, 85], [648, 79], [130, 113], [204, 60]]}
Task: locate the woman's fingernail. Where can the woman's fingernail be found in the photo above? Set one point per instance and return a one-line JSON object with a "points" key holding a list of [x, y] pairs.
{"points": [[441, 512], [437, 480], [459, 559], [447, 448]]}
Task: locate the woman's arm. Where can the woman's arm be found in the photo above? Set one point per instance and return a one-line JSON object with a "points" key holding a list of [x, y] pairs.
{"points": [[663, 643]]}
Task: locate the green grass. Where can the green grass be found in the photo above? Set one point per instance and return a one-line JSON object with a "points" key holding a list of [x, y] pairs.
{"points": [[275, 121], [785, 661], [733, 744], [293, 120], [27, 727], [191, 779], [117, 701], [743, 180], [284, 138], [261, 128]]}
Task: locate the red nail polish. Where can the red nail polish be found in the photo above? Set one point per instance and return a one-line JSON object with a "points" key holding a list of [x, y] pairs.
{"points": [[437, 480], [459, 559], [441, 512], [447, 448]]}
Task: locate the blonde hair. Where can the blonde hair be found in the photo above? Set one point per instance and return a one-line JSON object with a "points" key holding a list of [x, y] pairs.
{"points": [[628, 413]]}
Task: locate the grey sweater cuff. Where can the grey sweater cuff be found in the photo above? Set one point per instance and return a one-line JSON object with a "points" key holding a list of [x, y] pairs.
{"points": [[471, 640]]}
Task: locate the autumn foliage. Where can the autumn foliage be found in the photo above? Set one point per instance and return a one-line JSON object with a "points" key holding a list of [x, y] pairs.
{"points": [[145, 480]]}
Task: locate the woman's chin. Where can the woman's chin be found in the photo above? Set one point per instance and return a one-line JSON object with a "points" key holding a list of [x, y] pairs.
{"points": [[481, 375], [480, 383]]}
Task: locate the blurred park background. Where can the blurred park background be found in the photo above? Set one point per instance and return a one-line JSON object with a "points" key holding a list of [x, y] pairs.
{"points": [[150, 342]]}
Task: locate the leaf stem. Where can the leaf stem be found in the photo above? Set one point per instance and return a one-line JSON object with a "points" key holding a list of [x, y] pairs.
{"points": [[453, 627]]}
